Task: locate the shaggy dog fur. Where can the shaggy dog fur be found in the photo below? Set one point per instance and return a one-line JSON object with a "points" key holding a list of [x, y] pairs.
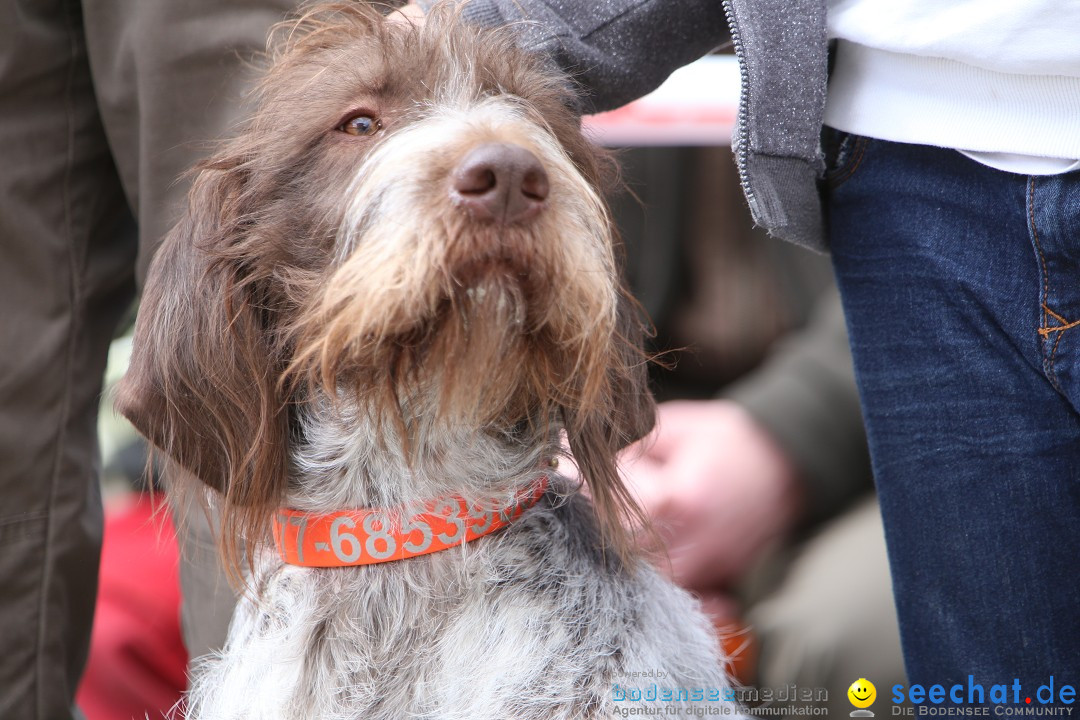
{"points": [[337, 323]]}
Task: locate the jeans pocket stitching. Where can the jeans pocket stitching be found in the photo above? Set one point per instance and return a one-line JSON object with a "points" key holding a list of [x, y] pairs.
{"points": [[1044, 330]]}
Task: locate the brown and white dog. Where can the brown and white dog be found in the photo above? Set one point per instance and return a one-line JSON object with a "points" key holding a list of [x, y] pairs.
{"points": [[398, 288]]}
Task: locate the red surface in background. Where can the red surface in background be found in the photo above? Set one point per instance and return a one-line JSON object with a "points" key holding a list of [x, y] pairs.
{"points": [[137, 663]]}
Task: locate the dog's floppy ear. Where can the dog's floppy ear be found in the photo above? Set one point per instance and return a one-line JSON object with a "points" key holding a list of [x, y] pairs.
{"points": [[202, 384], [598, 434]]}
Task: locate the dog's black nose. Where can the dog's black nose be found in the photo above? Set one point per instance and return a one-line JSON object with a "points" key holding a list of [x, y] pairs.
{"points": [[500, 182]]}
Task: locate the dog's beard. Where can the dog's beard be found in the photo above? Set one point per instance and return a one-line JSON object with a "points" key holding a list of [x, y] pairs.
{"points": [[475, 325]]}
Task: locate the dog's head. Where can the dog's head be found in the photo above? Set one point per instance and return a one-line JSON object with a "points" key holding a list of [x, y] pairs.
{"points": [[412, 216]]}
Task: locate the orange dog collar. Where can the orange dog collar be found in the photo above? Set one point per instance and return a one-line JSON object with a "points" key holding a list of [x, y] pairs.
{"points": [[364, 537]]}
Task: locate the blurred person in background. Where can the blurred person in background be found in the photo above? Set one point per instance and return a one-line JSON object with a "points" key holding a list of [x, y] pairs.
{"points": [[757, 476]]}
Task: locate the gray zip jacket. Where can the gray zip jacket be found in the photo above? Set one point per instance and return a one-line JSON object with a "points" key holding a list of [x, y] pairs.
{"points": [[622, 49]]}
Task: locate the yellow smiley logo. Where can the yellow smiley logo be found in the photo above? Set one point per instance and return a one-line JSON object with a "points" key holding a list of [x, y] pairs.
{"points": [[862, 693]]}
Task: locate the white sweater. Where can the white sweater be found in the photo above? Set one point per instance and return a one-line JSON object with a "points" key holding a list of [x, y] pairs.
{"points": [[1000, 79]]}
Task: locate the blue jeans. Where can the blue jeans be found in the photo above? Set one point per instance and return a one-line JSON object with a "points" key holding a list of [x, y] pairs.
{"points": [[961, 285]]}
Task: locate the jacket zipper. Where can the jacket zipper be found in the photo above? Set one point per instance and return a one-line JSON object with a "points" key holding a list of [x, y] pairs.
{"points": [[742, 134]]}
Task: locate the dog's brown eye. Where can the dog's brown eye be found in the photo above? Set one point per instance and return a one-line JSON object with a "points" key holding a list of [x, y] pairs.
{"points": [[360, 125]]}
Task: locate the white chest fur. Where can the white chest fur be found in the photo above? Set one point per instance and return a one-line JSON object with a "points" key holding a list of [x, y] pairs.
{"points": [[531, 622]]}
